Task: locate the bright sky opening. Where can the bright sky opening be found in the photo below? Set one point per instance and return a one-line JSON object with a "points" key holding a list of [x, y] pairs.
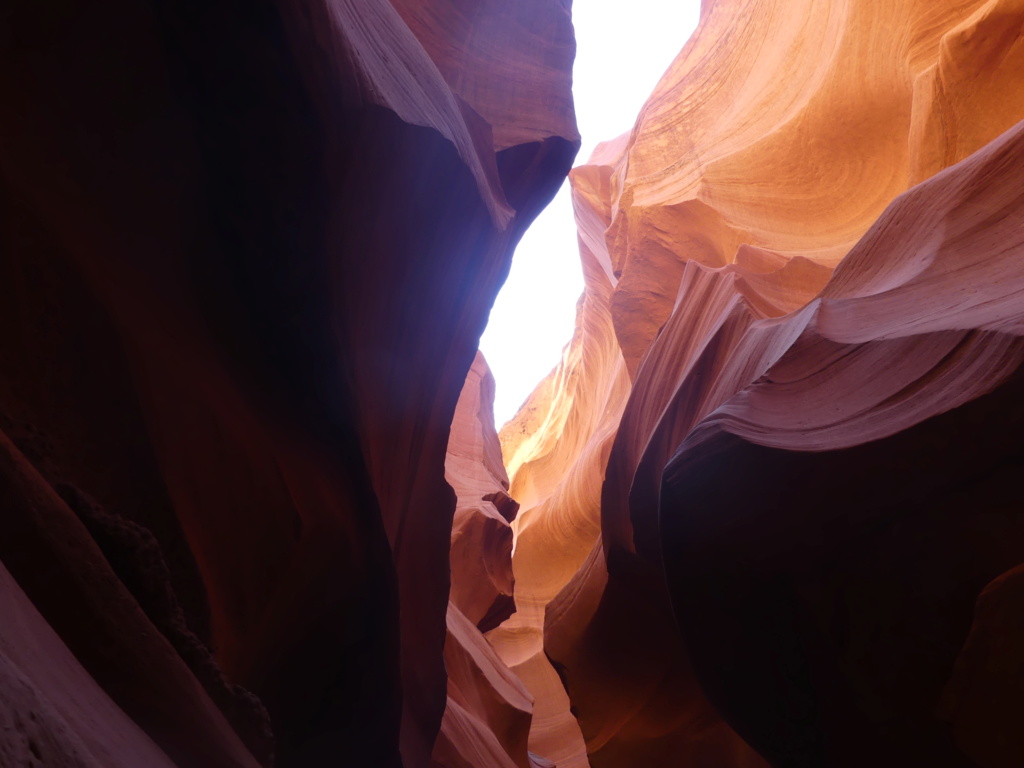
{"points": [[620, 56]]}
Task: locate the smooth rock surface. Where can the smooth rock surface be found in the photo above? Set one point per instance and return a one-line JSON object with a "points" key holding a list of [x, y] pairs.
{"points": [[766, 511], [481, 553], [809, 243], [487, 719], [247, 254]]}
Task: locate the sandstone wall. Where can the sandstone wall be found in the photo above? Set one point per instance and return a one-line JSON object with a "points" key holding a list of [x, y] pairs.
{"points": [[248, 250], [771, 474]]}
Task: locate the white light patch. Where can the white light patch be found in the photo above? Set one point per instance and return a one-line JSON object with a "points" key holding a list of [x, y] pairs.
{"points": [[621, 53]]}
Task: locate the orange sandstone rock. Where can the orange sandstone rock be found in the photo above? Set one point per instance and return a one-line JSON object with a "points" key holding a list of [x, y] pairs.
{"points": [[481, 550], [893, 380], [487, 720], [556, 448], [779, 146]]}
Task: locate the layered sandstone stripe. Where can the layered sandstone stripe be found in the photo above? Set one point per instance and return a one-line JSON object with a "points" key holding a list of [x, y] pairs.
{"points": [[782, 253]]}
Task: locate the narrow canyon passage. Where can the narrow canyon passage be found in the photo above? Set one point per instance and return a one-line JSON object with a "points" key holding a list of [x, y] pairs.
{"points": [[254, 507]]}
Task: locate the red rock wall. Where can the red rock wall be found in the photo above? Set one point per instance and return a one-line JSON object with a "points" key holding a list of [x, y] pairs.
{"points": [[487, 719], [248, 251], [768, 508], [770, 477]]}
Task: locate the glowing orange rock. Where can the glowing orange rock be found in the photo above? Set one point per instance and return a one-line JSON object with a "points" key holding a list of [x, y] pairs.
{"points": [[852, 439], [781, 143]]}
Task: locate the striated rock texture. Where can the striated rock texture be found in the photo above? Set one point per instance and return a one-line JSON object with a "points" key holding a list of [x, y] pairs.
{"points": [[487, 720], [246, 253], [253, 510], [777, 464], [481, 549]]}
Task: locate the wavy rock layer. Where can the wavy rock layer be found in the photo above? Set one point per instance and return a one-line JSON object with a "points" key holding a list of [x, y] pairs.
{"points": [[487, 720], [770, 477], [481, 550], [248, 253]]}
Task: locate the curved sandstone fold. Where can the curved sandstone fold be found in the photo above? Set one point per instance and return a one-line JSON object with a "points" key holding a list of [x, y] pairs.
{"points": [[863, 616], [487, 720], [803, 266], [555, 449], [248, 251], [481, 550], [766, 510]]}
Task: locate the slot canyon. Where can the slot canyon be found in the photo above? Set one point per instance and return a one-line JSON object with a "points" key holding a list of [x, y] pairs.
{"points": [[768, 510]]}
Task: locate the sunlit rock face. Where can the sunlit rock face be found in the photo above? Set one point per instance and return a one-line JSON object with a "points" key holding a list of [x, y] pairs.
{"points": [[247, 253], [776, 467]]}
